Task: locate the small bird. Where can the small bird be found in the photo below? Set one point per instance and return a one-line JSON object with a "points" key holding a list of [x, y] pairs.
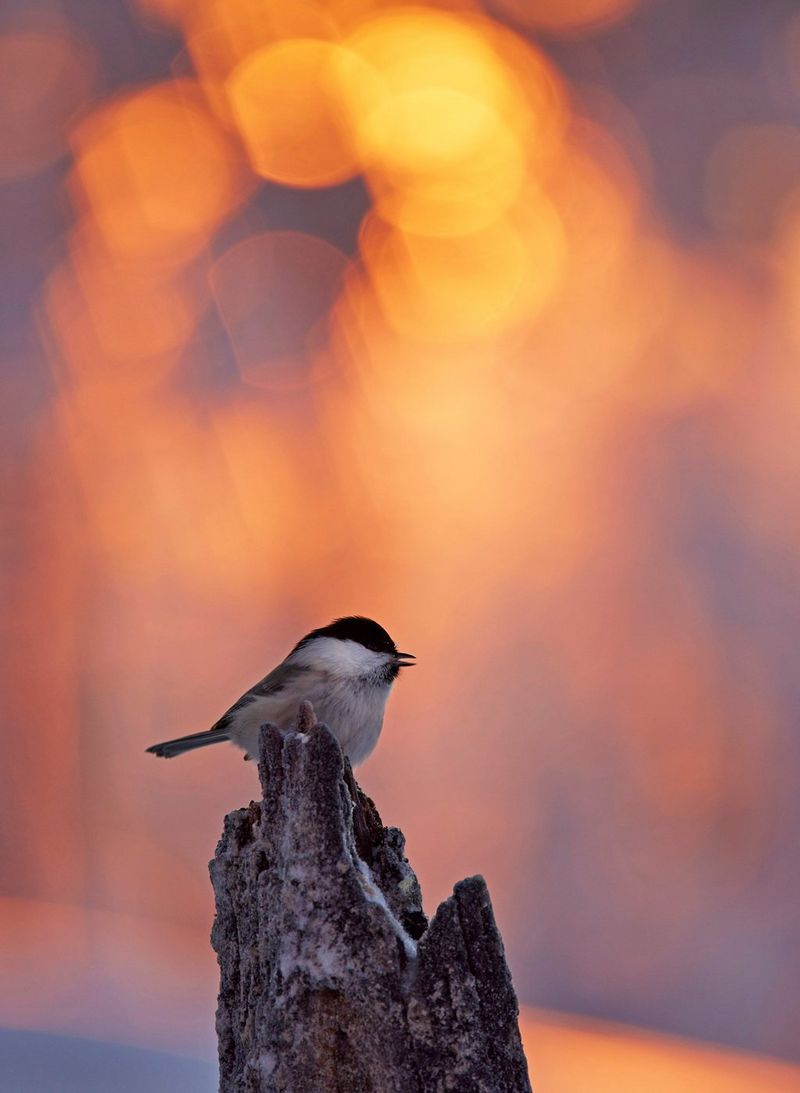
{"points": [[345, 670]]}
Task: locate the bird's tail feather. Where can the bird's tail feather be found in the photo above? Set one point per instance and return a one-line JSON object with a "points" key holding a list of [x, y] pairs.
{"points": [[168, 749]]}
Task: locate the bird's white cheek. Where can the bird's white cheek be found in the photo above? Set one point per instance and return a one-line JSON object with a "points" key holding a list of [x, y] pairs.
{"points": [[339, 660]]}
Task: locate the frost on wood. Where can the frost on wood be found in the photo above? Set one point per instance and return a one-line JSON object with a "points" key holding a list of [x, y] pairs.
{"points": [[331, 977]]}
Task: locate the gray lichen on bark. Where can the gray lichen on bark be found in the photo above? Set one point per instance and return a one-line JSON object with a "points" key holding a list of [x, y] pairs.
{"points": [[331, 978]]}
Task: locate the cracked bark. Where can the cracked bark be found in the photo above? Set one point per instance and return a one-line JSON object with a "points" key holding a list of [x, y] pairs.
{"points": [[331, 978]]}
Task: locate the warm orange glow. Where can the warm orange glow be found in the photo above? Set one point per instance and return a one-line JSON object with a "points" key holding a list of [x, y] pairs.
{"points": [[469, 286], [565, 15], [155, 172], [290, 102], [447, 135], [45, 78], [241, 26], [575, 1056], [444, 91], [120, 448], [432, 197], [117, 324], [51, 860], [222, 33], [530, 397], [265, 469], [789, 267], [617, 286]]}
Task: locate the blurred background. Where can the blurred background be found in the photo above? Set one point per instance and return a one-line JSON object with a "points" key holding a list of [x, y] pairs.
{"points": [[478, 318]]}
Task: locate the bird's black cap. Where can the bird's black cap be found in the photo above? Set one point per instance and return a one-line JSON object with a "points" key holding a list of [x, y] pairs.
{"points": [[366, 632]]}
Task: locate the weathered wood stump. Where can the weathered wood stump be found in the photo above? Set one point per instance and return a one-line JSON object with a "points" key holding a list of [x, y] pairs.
{"points": [[331, 977]]}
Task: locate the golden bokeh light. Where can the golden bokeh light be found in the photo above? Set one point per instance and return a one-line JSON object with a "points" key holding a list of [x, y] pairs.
{"points": [[291, 102], [155, 173], [117, 324], [46, 76], [469, 286], [244, 25], [351, 13], [413, 184], [448, 135], [222, 33]]}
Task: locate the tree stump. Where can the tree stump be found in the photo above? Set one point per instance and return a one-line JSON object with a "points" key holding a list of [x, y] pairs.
{"points": [[331, 978]]}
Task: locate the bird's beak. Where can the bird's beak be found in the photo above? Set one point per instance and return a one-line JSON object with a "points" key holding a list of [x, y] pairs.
{"points": [[405, 660]]}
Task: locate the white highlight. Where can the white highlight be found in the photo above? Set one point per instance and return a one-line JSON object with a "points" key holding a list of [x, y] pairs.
{"points": [[375, 895]]}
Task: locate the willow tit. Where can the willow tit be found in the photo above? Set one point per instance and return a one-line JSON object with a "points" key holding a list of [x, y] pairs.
{"points": [[346, 670]]}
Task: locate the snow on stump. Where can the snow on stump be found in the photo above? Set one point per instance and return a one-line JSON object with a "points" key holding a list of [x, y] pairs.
{"points": [[331, 978]]}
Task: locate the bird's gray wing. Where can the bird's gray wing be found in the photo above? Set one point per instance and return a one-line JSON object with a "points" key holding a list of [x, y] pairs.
{"points": [[276, 680], [271, 684]]}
